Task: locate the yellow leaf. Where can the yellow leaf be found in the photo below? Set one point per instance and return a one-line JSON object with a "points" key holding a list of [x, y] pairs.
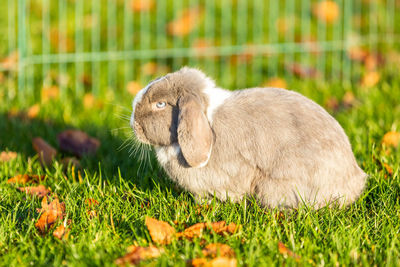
{"points": [[391, 139], [370, 79], [160, 232], [133, 87], [327, 11], [276, 82]]}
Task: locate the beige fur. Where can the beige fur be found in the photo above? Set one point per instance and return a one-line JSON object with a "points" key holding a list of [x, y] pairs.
{"points": [[273, 144]]}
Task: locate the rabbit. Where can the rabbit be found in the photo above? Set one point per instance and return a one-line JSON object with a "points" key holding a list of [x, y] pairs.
{"points": [[272, 144]]}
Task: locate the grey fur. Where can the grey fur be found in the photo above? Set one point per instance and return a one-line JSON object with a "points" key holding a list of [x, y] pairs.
{"points": [[274, 144]]}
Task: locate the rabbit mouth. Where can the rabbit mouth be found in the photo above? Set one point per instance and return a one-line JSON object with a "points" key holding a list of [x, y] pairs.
{"points": [[139, 133]]}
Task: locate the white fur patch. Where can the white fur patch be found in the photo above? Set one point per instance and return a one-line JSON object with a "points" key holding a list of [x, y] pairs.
{"points": [[166, 153], [205, 162], [216, 97]]}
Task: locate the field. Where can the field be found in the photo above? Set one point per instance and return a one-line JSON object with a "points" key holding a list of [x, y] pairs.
{"points": [[129, 185]]}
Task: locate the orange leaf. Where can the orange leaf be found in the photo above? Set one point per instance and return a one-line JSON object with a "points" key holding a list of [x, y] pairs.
{"points": [[326, 11], [25, 178], [137, 254], [51, 212], [348, 99], [286, 252], [212, 250], [388, 168], [186, 22], [61, 232], [141, 5], [52, 92], [11, 61], [197, 229], [89, 101], [7, 156], [160, 232], [217, 262], [39, 190], [133, 87], [370, 79], [391, 139], [33, 111], [276, 82], [45, 151], [77, 142]]}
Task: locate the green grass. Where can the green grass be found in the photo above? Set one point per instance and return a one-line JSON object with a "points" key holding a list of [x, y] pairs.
{"points": [[129, 189]]}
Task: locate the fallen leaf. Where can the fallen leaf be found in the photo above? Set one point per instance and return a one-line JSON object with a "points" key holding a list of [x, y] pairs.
{"points": [[25, 178], [357, 53], [51, 212], [90, 202], [348, 99], [133, 87], [7, 156], [391, 138], [186, 22], [33, 111], [49, 93], [61, 41], [326, 11], [197, 229], [61, 232], [388, 168], [141, 5], [370, 79], [11, 61], [302, 71], [276, 82], [137, 254], [286, 252], [160, 232], [45, 151], [212, 250], [39, 191], [217, 262], [284, 24], [149, 68], [89, 101], [77, 142]]}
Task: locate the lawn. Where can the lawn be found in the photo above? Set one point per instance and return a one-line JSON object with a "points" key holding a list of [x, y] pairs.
{"points": [[129, 186], [95, 96]]}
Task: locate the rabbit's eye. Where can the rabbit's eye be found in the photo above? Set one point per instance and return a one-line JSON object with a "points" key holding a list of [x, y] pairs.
{"points": [[160, 104]]}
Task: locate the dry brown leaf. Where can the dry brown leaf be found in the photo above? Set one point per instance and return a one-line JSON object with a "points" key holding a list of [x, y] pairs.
{"points": [[7, 156], [391, 138], [223, 250], [133, 87], [39, 191], [142, 5], [89, 101], [286, 252], [302, 71], [11, 61], [217, 262], [49, 93], [51, 212], [186, 22], [197, 229], [33, 111], [326, 11], [388, 168], [348, 99], [276, 82], [370, 79], [77, 142], [25, 178], [160, 232], [61, 41], [137, 254], [45, 151], [61, 232]]}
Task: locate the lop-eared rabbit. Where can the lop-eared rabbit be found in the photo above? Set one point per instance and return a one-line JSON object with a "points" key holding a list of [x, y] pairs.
{"points": [[273, 144]]}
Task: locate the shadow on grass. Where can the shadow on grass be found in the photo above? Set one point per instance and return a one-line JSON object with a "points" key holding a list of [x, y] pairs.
{"points": [[16, 133]]}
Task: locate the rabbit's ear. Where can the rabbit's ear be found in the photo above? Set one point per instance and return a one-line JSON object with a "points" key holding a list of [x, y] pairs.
{"points": [[194, 132]]}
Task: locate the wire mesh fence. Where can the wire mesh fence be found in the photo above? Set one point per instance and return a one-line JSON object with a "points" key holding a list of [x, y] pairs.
{"points": [[98, 45]]}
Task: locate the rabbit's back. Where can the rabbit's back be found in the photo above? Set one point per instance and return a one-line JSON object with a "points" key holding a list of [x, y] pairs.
{"points": [[297, 151]]}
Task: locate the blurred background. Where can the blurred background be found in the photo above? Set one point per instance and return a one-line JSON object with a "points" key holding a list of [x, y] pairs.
{"points": [[69, 48]]}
